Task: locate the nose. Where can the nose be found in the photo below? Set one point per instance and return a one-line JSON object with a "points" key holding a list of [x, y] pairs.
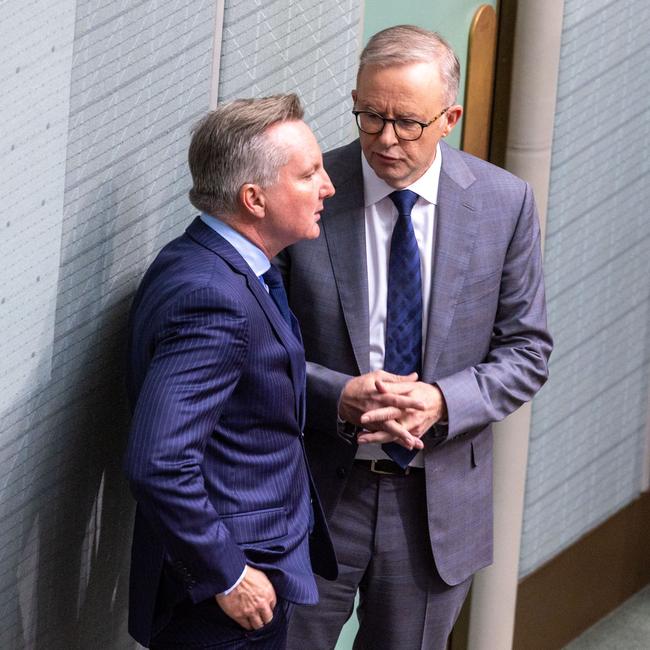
{"points": [[327, 189], [387, 135]]}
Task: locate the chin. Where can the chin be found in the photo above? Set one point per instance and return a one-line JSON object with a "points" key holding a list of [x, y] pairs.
{"points": [[388, 174]]}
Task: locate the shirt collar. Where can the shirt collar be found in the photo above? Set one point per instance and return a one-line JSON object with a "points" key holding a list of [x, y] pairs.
{"points": [[252, 255], [375, 189]]}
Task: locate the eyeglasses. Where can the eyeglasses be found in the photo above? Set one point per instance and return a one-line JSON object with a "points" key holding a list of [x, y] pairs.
{"points": [[372, 123]]}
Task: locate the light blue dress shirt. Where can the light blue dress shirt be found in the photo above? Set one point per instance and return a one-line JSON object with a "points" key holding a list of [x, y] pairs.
{"points": [[252, 255]]}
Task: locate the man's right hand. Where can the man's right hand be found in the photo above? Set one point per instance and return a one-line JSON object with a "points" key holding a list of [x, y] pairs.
{"points": [[360, 395], [251, 602]]}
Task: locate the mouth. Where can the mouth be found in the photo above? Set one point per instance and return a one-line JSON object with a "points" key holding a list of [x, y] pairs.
{"points": [[386, 158]]}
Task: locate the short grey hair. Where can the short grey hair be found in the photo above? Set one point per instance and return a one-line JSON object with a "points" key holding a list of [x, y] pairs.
{"points": [[404, 44], [230, 148]]}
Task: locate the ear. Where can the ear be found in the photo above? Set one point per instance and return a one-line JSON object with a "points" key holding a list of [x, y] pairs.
{"points": [[452, 116], [252, 200]]}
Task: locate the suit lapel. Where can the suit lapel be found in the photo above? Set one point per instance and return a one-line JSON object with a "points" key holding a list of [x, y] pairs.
{"points": [[288, 339], [456, 228], [207, 237], [344, 229]]}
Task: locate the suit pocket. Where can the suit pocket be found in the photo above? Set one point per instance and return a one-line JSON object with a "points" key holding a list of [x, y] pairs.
{"points": [[480, 449], [257, 526]]}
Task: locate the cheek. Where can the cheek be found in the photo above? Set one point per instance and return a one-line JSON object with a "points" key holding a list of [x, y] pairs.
{"points": [[425, 152], [366, 141]]}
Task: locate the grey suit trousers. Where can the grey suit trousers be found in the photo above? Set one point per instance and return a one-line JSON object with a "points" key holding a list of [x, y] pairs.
{"points": [[380, 536]]}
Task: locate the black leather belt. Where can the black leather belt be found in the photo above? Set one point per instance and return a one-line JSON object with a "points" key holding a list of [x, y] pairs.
{"points": [[385, 466]]}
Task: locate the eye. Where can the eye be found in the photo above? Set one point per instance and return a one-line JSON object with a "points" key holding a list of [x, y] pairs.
{"points": [[408, 126], [372, 119]]}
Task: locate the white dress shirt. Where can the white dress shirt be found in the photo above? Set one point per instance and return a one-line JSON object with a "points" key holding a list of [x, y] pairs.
{"points": [[381, 216]]}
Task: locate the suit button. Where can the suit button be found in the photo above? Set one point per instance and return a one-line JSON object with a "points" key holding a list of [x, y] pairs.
{"points": [[341, 472]]}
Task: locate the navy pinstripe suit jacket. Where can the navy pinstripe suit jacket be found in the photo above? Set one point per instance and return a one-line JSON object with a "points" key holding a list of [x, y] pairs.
{"points": [[215, 456]]}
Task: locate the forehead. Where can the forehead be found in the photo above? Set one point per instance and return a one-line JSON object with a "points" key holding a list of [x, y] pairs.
{"points": [[407, 87], [297, 139]]}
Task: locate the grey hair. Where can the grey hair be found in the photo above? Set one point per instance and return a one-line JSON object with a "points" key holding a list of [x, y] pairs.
{"points": [[230, 147], [404, 44]]}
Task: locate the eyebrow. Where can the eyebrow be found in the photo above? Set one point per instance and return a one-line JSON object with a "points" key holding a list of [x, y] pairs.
{"points": [[408, 116]]}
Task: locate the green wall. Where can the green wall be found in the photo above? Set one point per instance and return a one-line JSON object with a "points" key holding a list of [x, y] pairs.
{"points": [[452, 18]]}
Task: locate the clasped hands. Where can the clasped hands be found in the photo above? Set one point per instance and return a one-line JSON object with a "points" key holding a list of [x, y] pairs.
{"points": [[392, 408]]}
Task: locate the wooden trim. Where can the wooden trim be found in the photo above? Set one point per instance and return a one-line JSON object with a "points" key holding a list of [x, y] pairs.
{"points": [[507, 16], [479, 88], [585, 582]]}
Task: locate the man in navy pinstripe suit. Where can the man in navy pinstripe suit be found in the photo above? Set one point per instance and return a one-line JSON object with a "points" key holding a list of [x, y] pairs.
{"points": [[226, 510]]}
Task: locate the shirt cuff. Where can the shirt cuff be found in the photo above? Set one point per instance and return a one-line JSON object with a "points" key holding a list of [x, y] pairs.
{"points": [[346, 430], [241, 577]]}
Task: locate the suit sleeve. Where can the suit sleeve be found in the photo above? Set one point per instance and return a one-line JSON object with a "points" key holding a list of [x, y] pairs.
{"points": [[516, 365], [197, 360]]}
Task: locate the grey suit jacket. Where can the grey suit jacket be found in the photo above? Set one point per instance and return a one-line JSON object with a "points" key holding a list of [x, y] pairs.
{"points": [[487, 344]]}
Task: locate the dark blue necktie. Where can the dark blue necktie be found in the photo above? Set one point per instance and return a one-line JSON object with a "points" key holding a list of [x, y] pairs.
{"points": [[273, 280], [403, 345]]}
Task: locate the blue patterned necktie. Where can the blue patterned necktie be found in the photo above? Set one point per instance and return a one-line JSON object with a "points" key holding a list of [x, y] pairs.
{"points": [[273, 280], [403, 345]]}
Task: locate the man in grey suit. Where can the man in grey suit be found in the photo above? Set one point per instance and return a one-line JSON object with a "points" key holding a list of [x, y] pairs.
{"points": [[408, 489]]}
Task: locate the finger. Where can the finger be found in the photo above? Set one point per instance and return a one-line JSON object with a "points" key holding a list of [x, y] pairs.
{"points": [[244, 622], [387, 413], [256, 621], [391, 431], [400, 401], [397, 388], [382, 437], [379, 437], [401, 434], [389, 376], [381, 415]]}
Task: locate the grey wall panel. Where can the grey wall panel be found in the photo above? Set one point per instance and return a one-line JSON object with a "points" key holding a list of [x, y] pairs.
{"points": [[588, 428], [120, 92], [35, 68], [306, 46]]}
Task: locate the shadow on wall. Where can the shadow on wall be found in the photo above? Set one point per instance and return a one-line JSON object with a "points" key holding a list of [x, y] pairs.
{"points": [[64, 581]]}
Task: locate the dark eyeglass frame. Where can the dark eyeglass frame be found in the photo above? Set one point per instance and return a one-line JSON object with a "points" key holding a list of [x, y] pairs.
{"points": [[395, 122]]}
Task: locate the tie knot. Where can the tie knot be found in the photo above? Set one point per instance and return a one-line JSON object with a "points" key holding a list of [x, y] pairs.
{"points": [[273, 278], [404, 201]]}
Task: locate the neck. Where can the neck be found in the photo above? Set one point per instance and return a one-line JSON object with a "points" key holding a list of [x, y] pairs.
{"points": [[252, 232]]}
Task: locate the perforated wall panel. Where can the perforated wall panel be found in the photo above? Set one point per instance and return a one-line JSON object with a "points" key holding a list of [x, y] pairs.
{"points": [[586, 449], [308, 47], [97, 104]]}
